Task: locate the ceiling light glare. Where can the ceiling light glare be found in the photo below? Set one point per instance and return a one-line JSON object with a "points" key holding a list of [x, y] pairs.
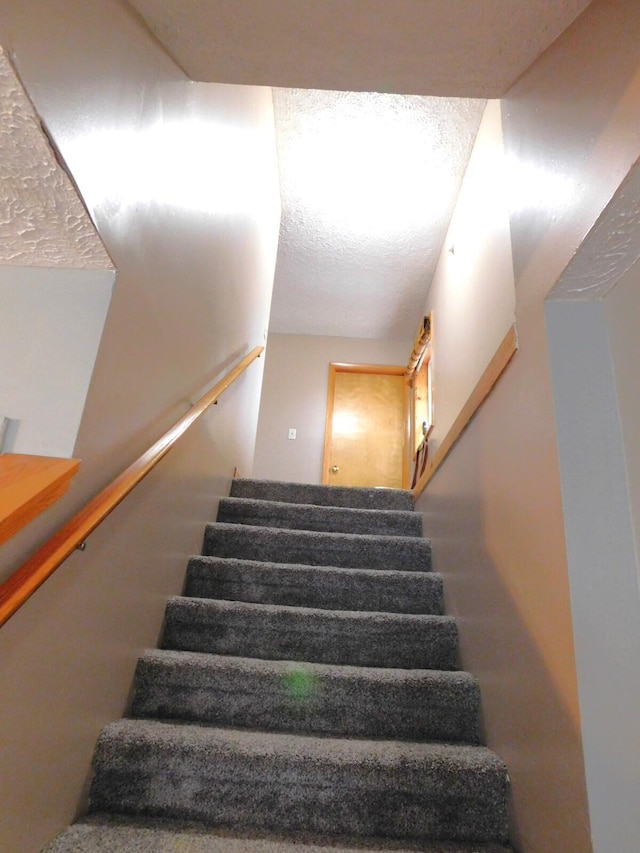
{"points": [[209, 168]]}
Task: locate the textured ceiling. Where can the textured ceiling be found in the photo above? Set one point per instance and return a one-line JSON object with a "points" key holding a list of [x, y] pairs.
{"points": [[424, 47], [368, 185], [369, 181], [43, 223]]}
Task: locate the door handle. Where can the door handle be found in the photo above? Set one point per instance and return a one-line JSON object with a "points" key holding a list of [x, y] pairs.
{"points": [[334, 469]]}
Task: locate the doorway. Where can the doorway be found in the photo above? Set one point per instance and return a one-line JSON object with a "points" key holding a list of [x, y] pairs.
{"points": [[366, 434]]}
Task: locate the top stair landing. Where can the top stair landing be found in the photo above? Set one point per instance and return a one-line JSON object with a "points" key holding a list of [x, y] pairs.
{"points": [[339, 496]]}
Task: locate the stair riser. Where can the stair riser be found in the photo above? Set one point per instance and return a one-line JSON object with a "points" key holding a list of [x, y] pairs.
{"points": [[303, 586], [299, 700], [282, 792], [300, 493], [407, 642], [336, 520], [317, 549]]}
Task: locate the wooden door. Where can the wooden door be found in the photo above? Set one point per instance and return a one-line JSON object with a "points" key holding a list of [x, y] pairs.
{"points": [[366, 441]]}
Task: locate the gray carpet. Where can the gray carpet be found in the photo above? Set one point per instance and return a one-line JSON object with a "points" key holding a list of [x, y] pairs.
{"points": [[397, 704], [330, 587], [315, 548], [306, 696], [319, 518], [115, 834], [311, 495]]}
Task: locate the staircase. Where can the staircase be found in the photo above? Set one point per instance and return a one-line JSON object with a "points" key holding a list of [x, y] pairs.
{"points": [[306, 696]]}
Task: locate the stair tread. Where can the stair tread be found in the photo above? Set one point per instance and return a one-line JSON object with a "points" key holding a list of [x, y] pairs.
{"points": [[323, 495], [327, 699], [367, 638], [331, 587], [297, 782], [312, 547], [107, 833], [306, 749], [206, 660], [319, 535], [345, 571], [365, 616], [320, 518]]}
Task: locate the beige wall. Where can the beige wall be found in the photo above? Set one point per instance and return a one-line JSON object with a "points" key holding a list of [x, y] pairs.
{"points": [[294, 394], [472, 294], [193, 295], [602, 560], [593, 344], [622, 307], [571, 129], [50, 328]]}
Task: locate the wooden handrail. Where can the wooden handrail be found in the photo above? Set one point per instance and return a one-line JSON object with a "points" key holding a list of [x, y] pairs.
{"points": [[484, 386], [32, 574]]}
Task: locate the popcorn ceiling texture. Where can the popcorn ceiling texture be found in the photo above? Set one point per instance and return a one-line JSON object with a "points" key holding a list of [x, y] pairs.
{"points": [[369, 182], [612, 248], [43, 222], [421, 47]]}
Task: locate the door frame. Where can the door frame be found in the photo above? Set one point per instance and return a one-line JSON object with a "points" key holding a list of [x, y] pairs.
{"points": [[380, 370]]}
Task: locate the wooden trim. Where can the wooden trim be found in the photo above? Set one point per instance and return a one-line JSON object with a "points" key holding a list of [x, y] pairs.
{"points": [[498, 363], [406, 450], [32, 574], [421, 343], [28, 485], [386, 369], [328, 425]]}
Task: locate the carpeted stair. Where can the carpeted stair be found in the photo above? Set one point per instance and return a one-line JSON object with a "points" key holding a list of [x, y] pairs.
{"points": [[306, 695]]}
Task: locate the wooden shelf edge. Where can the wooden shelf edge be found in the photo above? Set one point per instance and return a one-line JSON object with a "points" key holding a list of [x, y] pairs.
{"points": [[496, 366], [28, 485]]}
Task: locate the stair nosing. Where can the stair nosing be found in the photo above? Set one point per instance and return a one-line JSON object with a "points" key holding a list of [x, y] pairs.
{"points": [[322, 508], [351, 537], [357, 570], [230, 605], [388, 750], [337, 668]]}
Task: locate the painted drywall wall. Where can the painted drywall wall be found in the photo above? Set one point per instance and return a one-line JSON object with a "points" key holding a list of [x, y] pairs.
{"points": [[593, 343], [294, 394], [50, 329], [472, 294], [181, 180], [601, 549], [622, 312], [591, 316], [571, 127], [55, 281]]}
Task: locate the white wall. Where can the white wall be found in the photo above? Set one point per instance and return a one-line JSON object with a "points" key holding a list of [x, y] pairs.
{"points": [[50, 329], [56, 281], [181, 180], [472, 294], [294, 394], [601, 549], [622, 313], [571, 127], [593, 341]]}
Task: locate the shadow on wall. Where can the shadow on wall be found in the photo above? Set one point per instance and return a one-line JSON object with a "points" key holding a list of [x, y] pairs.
{"points": [[527, 719]]}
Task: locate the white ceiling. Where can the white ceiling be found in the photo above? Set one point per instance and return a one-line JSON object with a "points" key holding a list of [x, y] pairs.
{"points": [[472, 49], [368, 181], [368, 185]]}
